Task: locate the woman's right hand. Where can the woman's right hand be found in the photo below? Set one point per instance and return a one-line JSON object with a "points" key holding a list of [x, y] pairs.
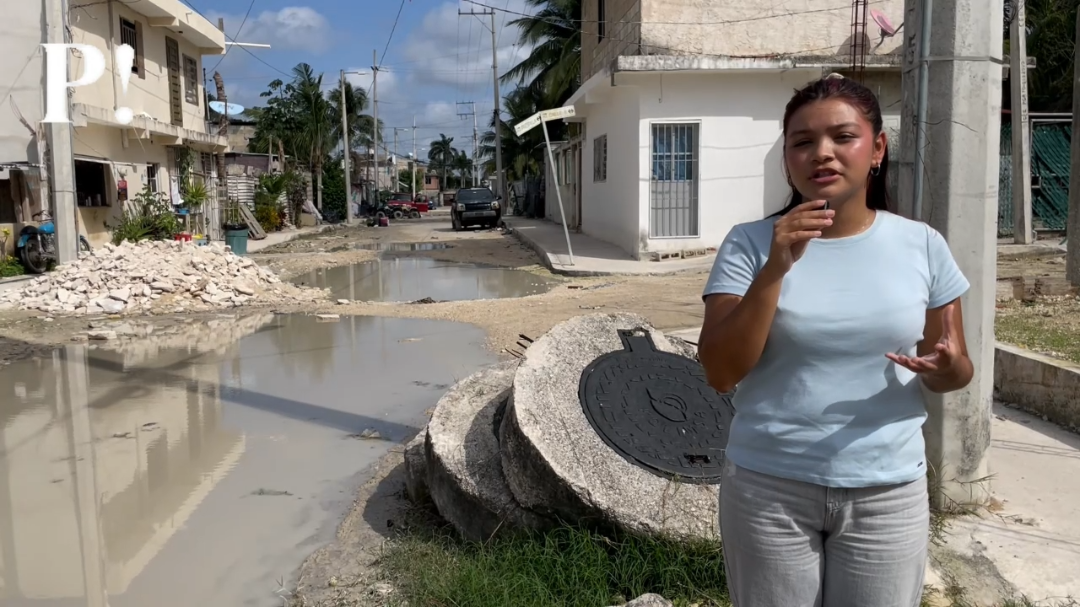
{"points": [[793, 231]]}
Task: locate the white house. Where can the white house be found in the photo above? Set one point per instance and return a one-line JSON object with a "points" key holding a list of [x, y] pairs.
{"points": [[168, 136], [681, 108]]}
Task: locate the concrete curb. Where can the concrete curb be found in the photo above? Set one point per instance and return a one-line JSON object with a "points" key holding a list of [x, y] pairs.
{"points": [[562, 270], [1043, 385]]}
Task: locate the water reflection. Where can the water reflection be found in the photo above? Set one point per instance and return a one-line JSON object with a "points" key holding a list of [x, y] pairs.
{"points": [[200, 467], [413, 278]]}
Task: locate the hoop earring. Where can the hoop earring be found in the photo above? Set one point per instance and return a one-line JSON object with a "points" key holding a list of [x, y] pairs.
{"points": [[875, 170]]}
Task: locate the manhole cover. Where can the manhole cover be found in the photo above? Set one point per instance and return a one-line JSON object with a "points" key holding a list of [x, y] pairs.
{"points": [[656, 410]]}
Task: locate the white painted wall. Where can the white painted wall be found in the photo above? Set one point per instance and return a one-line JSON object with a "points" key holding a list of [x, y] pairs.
{"points": [[22, 70], [609, 210], [740, 155]]}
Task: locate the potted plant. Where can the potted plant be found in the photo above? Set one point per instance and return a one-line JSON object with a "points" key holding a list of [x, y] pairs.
{"points": [[195, 194]]}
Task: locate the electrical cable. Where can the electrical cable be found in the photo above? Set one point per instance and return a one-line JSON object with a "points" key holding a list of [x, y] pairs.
{"points": [[238, 30]]}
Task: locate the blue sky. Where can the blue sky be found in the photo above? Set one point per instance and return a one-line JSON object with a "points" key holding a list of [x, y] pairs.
{"points": [[435, 59]]}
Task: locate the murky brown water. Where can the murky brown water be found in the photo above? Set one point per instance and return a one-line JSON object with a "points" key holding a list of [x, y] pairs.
{"points": [[402, 247], [414, 278], [202, 470]]}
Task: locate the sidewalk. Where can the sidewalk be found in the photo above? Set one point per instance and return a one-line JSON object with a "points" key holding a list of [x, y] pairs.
{"points": [[1028, 541], [592, 257], [276, 238]]}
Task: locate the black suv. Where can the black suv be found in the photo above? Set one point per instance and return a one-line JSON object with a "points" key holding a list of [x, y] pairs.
{"points": [[475, 207]]}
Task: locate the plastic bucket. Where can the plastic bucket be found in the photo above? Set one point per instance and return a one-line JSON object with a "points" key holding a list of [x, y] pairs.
{"points": [[237, 241]]}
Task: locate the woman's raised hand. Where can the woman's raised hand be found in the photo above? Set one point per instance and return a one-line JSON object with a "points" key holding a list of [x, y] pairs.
{"points": [[792, 232]]}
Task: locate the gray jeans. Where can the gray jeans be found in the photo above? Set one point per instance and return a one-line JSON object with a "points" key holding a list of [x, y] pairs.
{"points": [[794, 544]]}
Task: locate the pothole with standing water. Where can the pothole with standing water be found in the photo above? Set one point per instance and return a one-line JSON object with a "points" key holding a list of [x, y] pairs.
{"points": [[202, 466], [402, 247], [405, 279]]}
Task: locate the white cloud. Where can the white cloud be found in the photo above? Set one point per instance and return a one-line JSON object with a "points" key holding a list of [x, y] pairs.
{"points": [[452, 49], [298, 28]]}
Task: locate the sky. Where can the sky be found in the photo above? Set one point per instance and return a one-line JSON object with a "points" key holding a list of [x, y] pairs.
{"points": [[433, 57]]}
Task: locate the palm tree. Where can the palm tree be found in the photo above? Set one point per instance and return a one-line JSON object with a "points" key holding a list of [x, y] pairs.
{"points": [[313, 138], [464, 167], [522, 156], [441, 156], [553, 68], [360, 124]]}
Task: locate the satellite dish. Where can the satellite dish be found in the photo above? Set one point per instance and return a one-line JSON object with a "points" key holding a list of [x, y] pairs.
{"points": [[230, 109], [888, 30]]}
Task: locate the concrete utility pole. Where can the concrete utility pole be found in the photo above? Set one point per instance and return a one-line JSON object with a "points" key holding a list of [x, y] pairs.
{"points": [[961, 161], [345, 154], [60, 157], [497, 113], [223, 131], [413, 171], [465, 114], [1072, 229], [375, 117], [1023, 229]]}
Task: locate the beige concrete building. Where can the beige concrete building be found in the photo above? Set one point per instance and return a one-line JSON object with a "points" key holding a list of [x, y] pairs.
{"points": [[168, 139]]}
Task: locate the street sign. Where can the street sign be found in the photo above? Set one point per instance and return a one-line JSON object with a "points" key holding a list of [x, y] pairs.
{"points": [[557, 113], [527, 125]]}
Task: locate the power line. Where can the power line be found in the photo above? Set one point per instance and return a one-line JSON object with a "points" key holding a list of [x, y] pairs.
{"points": [[243, 48], [238, 30], [391, 36]]}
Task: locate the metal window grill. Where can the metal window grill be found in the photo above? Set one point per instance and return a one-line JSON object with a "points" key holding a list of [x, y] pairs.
{"points": [[191, 80], [673, 191], [600, 158], [130, 35]]}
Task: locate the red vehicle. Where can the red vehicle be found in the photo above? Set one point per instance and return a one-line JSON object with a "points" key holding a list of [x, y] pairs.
{"points": [[405, 199]]}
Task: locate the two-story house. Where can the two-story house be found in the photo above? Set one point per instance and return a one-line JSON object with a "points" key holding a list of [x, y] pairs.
{"points": [[167, 140], [681, 104]]}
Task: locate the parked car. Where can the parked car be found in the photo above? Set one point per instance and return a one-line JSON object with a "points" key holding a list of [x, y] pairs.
{"points": [[405, 199], [475, 207]]}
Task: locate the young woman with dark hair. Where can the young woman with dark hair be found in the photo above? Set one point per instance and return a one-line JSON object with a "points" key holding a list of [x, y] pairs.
{"points": [[830, 316]]}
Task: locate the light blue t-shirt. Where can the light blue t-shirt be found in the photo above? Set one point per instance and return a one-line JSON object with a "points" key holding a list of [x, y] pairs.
{"points": [[824, 405]]}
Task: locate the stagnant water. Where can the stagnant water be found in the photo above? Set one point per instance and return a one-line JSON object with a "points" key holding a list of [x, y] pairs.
{"points": [[402, 247], [201, 467], [414, 278]]}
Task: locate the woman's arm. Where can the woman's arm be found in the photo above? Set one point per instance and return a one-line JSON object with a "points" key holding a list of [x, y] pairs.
{"points": [[735, 329], [949, 331]]}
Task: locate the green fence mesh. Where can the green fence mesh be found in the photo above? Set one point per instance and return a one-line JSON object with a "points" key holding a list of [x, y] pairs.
{"points": [[1050, 149]]}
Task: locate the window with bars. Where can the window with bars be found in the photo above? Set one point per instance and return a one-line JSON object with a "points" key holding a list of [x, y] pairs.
{"points": [[673, 202], [152, 177], [191, 80], [599, 155], [129, 34]]}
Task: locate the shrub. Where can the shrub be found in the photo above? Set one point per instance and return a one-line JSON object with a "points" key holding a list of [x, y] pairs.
{"points": [[148, 217]]}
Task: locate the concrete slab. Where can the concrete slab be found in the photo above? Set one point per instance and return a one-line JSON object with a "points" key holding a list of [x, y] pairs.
{"points": [[592, 256]]}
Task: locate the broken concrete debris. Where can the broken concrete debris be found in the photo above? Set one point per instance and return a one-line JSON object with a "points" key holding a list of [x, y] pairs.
{"points": [[148, 276]]}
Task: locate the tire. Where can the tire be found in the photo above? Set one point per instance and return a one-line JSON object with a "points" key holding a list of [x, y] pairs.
{"points": [[455, 223], [84, 245], [414, 214], [398, 215], [33, 256]]}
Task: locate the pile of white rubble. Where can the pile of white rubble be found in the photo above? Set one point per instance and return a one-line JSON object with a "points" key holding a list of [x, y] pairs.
{"points": [[150, 276]]}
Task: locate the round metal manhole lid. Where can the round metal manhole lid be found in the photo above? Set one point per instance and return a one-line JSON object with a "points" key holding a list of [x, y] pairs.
{"points": [[657, 410]]}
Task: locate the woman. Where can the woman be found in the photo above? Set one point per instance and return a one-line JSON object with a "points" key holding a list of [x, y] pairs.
{"points": [[829, 315]]}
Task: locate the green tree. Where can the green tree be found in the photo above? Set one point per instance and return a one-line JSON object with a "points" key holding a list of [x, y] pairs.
{"points": [[553, 68], [361, 131], [463, 165], [1051, 26], [523, 156], [441, 157]]}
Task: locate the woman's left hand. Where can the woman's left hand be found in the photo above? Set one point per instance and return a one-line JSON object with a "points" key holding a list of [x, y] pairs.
{"points": [[946, 352]]}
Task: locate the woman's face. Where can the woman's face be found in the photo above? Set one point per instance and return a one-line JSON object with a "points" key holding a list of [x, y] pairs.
{"points": [[829, 150]]}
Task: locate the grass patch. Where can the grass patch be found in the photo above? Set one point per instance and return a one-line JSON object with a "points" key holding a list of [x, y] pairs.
{"points": [[1049, 327], [567, 567]]}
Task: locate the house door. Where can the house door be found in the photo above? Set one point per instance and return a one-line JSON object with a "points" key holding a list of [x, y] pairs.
{"points": [[176, 98], [673, 185]]}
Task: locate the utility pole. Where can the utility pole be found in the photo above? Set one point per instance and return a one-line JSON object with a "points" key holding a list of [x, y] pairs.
{"points": [[223, 131], [413, 171], [1072, 229], [500, 188], [60, 156], [345, 153], [1023, 230], [465, 114], [960, 164], [375, 117], [475, 151]]}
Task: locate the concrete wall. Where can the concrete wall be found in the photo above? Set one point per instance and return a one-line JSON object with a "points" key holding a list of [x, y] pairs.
{"points": [[609, 209], [1046, 386], [727, 27], [149, 93], [21, 35]]}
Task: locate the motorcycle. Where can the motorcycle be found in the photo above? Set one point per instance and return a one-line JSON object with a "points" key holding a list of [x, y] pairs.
{"points": [[36, 248]]}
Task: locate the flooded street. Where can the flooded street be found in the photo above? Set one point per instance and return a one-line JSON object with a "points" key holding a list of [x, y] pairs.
{"points": [[201, 470], [402, 279]]}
